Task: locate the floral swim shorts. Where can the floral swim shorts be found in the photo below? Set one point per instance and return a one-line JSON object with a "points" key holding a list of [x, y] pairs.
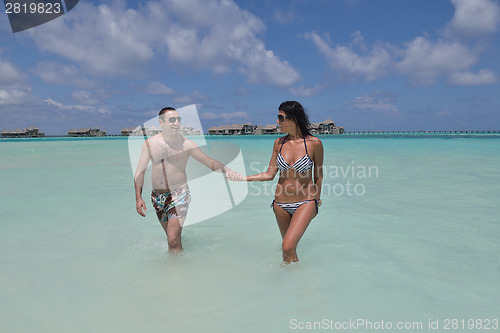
{"points": [[173, 204]]}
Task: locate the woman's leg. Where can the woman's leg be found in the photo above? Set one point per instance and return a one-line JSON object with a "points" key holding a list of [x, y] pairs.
{"points": [[297, 226], [283, 218]]}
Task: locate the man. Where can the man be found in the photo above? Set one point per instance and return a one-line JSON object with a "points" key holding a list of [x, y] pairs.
{"points": [[169, 153]]}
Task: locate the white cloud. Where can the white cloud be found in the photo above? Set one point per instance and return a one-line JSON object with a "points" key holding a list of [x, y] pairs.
{"points": [[424, 61], [158, 88], [193, 98], [13, 88], [225, 116], [377, 101], [373, 65], [261, 65], [76, 108], [284, 17], [55, 73], [235, 115], [84, 97], [62, 107], [105, 40], [306, 91], [214, 35], [13, 96], [218, 35], [474, 18], [243, 91], [103, 110], [209, 115], [483, 77], [9, 73]]}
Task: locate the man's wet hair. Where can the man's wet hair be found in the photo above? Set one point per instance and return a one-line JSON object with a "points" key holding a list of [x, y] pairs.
{"points": [[164, 110]]}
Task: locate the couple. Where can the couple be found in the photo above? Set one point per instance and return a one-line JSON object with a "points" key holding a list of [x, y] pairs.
{"points": [[298, 156]]}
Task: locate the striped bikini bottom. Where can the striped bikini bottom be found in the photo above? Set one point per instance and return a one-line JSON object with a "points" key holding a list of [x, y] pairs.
{"points": [[291, 207]]}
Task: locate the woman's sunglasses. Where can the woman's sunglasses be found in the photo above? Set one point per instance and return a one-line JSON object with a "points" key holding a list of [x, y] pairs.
{"points": [[173, 119], [281, 118]]}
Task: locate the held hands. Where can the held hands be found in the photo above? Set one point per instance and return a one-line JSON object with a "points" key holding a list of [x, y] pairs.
{"points": [[233, 175]]}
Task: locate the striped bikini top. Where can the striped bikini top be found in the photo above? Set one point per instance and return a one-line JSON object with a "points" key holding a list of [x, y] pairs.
{"points": [[301, 165]]}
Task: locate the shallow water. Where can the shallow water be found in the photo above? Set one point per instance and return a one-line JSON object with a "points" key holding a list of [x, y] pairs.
{"points": [[416, 240]]}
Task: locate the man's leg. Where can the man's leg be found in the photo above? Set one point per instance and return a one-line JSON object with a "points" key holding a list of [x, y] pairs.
{"points": [[173, 229]]}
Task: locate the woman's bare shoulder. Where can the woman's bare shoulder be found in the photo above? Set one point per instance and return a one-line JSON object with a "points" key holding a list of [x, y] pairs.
{"points": [[279, 140], [313, 140]]}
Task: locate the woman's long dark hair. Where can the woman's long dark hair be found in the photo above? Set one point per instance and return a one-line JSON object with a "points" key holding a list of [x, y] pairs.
{"points": [[295, 111]]}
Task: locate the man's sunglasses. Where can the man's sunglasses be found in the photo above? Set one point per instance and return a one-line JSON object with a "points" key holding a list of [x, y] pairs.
{"points": [[173, 119], [281, 118]]}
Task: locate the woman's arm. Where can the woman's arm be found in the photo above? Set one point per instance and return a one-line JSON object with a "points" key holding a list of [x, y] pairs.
{"points": [[318, 168], [272, 169]]}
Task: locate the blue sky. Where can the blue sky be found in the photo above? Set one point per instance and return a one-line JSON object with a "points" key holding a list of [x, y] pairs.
{"points": [[368, 65]]}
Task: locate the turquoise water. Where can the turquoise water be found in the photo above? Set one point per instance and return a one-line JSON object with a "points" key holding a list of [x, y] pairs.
{"points": [[408, 232]]}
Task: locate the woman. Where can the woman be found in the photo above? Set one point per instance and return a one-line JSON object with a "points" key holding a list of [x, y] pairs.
{"points": [[299, 158]]}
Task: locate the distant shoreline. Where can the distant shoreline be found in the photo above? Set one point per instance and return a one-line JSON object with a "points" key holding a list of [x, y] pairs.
{"points": [[345, 134]]}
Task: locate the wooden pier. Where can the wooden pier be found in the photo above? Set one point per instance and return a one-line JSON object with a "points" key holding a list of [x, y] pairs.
{"points": [[458, 132]]}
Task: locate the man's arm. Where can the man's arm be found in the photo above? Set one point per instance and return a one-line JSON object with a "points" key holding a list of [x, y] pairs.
{"points": [[140, 205], [210, 163]]}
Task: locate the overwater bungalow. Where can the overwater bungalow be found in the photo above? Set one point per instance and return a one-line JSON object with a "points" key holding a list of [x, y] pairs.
{"points": [[189, 130], [327, 126], [235, 129], [140, 131], [30, 132], [267, 129], [127, 131], [86, 132], [153, 130]]}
